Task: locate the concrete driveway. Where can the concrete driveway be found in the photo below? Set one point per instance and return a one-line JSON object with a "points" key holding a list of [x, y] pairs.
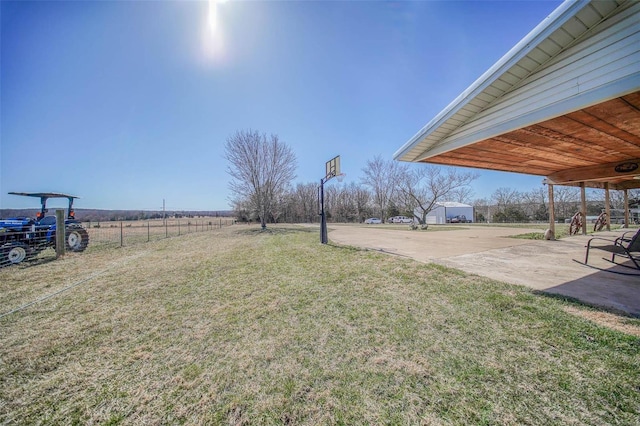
{"points": [[547, 266]]}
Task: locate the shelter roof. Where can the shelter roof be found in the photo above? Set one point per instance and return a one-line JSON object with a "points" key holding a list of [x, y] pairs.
{"points": [[563, 103]]}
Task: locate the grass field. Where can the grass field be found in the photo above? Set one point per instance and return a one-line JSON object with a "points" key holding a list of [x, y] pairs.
{"points": [[122, 233], [239, 326]]}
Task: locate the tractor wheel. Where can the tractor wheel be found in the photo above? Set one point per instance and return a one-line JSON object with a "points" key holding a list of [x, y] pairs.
{"points": [[76, 239], [13, 253]]}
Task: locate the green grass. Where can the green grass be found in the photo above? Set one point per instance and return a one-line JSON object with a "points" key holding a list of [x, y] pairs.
{"points": [[530, 236], [241, 326], [562, 229]]}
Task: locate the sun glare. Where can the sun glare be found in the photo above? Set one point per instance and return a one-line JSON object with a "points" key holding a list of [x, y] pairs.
{"points": [[213, 46], [213, 16]]}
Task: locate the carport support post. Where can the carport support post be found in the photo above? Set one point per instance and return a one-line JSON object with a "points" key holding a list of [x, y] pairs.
{"points": [[583, 208], [552, 212], [60, 233], [626, 208], [607, 205]]}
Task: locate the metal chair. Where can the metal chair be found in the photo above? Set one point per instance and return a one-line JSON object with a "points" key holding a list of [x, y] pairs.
{"points": [[627, 246]]}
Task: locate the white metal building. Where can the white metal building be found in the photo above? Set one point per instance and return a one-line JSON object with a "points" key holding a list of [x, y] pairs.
{"points": [[448, 210]]}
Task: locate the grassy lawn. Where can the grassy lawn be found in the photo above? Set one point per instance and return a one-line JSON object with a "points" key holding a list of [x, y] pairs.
{"points": [[240, 326], [562, 229]]}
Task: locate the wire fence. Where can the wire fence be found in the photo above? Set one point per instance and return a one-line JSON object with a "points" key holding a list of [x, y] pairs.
{"points": [[124, 233], [31, 246]]}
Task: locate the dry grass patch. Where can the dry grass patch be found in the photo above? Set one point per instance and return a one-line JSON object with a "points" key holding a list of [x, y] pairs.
{"points": [[249, 327], [607, 319]]}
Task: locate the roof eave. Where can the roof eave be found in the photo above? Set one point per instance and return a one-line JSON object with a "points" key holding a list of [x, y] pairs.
{"points": [[555, 20]]}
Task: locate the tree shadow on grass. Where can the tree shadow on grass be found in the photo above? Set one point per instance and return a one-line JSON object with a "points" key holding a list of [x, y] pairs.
{"points": [[39, 261], [346, 247], [277, 230], [44, 257]]}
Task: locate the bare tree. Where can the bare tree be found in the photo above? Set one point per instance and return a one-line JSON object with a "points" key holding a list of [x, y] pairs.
{"points": [[462, 195], [566, 201], [242, 210], [534, 204], [362, 199], [508, 205], [331, 201], [617, 199], [482, 209], [278, 205], [382, 177], [422, 188], [351, 204], [505, 197], [261, 169], [306, 198], [347, 203]]}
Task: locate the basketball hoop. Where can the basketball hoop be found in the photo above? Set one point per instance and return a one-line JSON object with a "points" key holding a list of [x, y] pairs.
{"points": [[332, 170]]}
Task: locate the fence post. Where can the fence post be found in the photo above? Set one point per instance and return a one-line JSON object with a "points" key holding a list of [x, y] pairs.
{"points": [[121, 236], [60, 233], [148, 232], [178, 227], [166, 230]]}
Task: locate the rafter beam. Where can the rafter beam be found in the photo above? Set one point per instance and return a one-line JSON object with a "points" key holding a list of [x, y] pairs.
{"points": [[600, 172], [629, 184], [619, 186]]}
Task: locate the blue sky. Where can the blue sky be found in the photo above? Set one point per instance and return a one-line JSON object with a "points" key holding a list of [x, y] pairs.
{"points": [[128, 103]]}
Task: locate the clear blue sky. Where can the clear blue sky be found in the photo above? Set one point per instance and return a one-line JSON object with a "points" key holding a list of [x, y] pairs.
{"points": [[128, 103]]}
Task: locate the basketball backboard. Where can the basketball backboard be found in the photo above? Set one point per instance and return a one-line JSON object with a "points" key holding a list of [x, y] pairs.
{"points": [[333, 167]]}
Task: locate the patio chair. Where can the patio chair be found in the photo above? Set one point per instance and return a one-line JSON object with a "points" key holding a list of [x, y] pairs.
{"points": [[627, 246]]}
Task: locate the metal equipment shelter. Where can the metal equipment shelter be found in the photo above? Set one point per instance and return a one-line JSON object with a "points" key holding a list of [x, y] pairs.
{"points": [[564, 103]]}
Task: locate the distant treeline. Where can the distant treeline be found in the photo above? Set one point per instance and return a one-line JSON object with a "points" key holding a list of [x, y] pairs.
{"points": [[94, 215]]}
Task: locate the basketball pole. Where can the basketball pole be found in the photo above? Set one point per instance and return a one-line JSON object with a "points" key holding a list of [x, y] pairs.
{"points": [[324, 239], [332, 168]]}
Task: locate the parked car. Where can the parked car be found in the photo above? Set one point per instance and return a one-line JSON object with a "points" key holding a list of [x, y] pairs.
{"points": [[372, 220], [459, 219], [400, 219]]}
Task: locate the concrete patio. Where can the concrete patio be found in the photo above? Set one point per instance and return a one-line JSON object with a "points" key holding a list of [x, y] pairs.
{"points": [[548, 266]]}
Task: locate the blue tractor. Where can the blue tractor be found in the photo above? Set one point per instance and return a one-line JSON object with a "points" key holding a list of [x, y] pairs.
{"points": [[23, 238]]}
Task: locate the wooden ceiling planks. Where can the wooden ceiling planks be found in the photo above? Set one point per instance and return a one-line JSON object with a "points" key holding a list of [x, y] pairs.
{"points": [[599, 135], [619, 139]]}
